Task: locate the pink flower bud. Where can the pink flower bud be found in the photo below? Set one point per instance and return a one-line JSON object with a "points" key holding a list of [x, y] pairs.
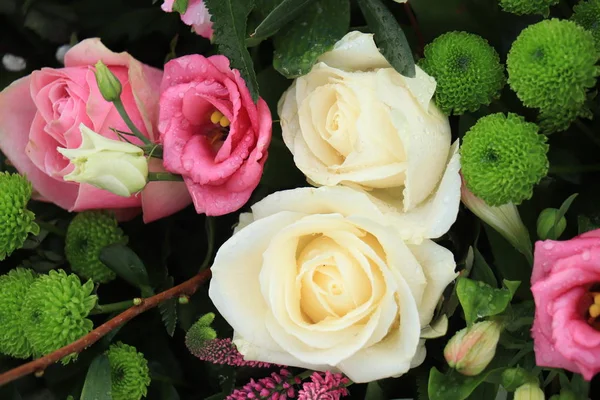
{"points": [[471, 349]]}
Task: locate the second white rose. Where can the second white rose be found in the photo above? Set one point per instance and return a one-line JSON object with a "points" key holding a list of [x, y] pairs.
{"points": [[354, 121]]}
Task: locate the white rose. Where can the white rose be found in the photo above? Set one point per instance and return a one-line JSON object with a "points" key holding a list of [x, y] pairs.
{"points": [[316, 279], [354, 121]]}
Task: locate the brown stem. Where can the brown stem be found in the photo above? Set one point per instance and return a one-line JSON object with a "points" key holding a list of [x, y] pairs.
{"points": [[188, 288], [415, 25]]}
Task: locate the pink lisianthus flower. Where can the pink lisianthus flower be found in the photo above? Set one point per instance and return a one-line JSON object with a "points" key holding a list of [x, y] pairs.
{"points": [[212, 132], [43, 111], [196, 16], [565, 286]]}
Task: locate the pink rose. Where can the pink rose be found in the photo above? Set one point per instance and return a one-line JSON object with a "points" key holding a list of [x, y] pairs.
{"points": [[565, 277], [43, 111], [212, 132], [196, 16]]}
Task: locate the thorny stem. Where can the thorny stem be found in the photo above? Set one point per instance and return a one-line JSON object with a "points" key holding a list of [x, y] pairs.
{"points": [[188, 287]]}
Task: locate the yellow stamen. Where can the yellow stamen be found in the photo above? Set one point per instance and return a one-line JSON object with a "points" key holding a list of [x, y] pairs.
{"points": [[596, 298], [224, 122], [594, 310], [215, 117]]}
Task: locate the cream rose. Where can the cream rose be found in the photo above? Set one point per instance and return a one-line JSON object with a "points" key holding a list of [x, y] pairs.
{"points": [[354, 121], [314, 278]]}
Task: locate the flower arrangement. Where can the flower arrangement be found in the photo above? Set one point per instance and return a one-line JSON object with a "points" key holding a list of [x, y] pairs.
{"points": [[299, 199]]}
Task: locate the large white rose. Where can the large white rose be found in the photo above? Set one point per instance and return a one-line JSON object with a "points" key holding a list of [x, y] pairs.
{"points": [[354, 121], [315, 278]]}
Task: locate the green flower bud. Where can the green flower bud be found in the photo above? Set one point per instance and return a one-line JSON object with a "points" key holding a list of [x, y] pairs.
{"points": [[200, 333], [467, 71], [471, 349], [16, 221], [551, 66], [129, 372], [565, 395], [502, 158], [546, 221], [54, 312], [12, 287], [587, 14], [529, 391], [88, 233], [108, 83], [521, 7]]}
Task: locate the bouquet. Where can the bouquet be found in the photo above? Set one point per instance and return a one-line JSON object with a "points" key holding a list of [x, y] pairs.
{"points": [[299, 199]]}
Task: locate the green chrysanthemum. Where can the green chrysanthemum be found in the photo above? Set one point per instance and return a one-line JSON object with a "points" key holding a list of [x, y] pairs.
{"points": [[88, 233], [16, 221], [12, 288], [502, 158], [551, 65], [467, 70], [587, 14], [522, 7], [54, 312], [129, 372]]}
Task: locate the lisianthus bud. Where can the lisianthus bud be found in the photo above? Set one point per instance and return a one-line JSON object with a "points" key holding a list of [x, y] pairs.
{"points": [[118, 167], [471, 349], [109, 85], [546, 221], [529, 391]]}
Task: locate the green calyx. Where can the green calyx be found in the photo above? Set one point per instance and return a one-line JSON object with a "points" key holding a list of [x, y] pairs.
{"points": [[551, 66], [587, 15], [200, 333], [54, 312], [522, 7], [467, 70], [129, 372], [13, 285], [502, 158], [16, 221], [88, 233]]}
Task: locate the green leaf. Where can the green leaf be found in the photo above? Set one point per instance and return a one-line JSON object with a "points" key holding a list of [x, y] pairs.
{"points": [[285, 12], [481, 300], [180, 6], [229, 25], [98, 383], [374, 392], [482, 271], [561, 213], [389, 36], [452, 385], [512, 378], [126, 264], [318, 28], [168, 310]]}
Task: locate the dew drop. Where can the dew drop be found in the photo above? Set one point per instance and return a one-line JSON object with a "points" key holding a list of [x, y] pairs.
{"points": [[586, 255], [548, 246]]}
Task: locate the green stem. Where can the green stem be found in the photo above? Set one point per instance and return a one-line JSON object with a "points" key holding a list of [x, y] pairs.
{"points": [[51, 228], [163, 176], [112, 307], [570, 169], [210, 232], [153, 150], [588, 132], [121, 109]]}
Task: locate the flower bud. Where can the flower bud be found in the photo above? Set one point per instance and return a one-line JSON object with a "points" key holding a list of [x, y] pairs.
{"points": [[529, 391], [118, 167], [546, 221], [109, 85], [472, 349], [564, 395]]}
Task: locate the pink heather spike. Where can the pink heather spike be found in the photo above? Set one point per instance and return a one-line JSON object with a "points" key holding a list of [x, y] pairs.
{"points": [[324, 386], [275, 386], [223, 351]]}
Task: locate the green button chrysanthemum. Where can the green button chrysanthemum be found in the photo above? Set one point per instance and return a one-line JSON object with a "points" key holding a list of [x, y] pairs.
{"points": [[129, 372], [502, 158], [551, 66], [16, 221], [13, 287], [55, 311], [521, 7], [587, 14], [88, 233], [467, 70]]}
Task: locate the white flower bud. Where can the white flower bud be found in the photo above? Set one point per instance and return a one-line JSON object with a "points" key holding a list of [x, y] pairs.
{"points": [[529, 391], [118, 167], [471, 349], [13, 63]]}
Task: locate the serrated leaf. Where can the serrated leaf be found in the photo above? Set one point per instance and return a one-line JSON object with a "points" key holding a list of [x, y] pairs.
{"points": [[480, 300], [229, 26], [168, 310], [125, 263], [389, 36], [180, 6], [98, 383], [285, 12]]}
